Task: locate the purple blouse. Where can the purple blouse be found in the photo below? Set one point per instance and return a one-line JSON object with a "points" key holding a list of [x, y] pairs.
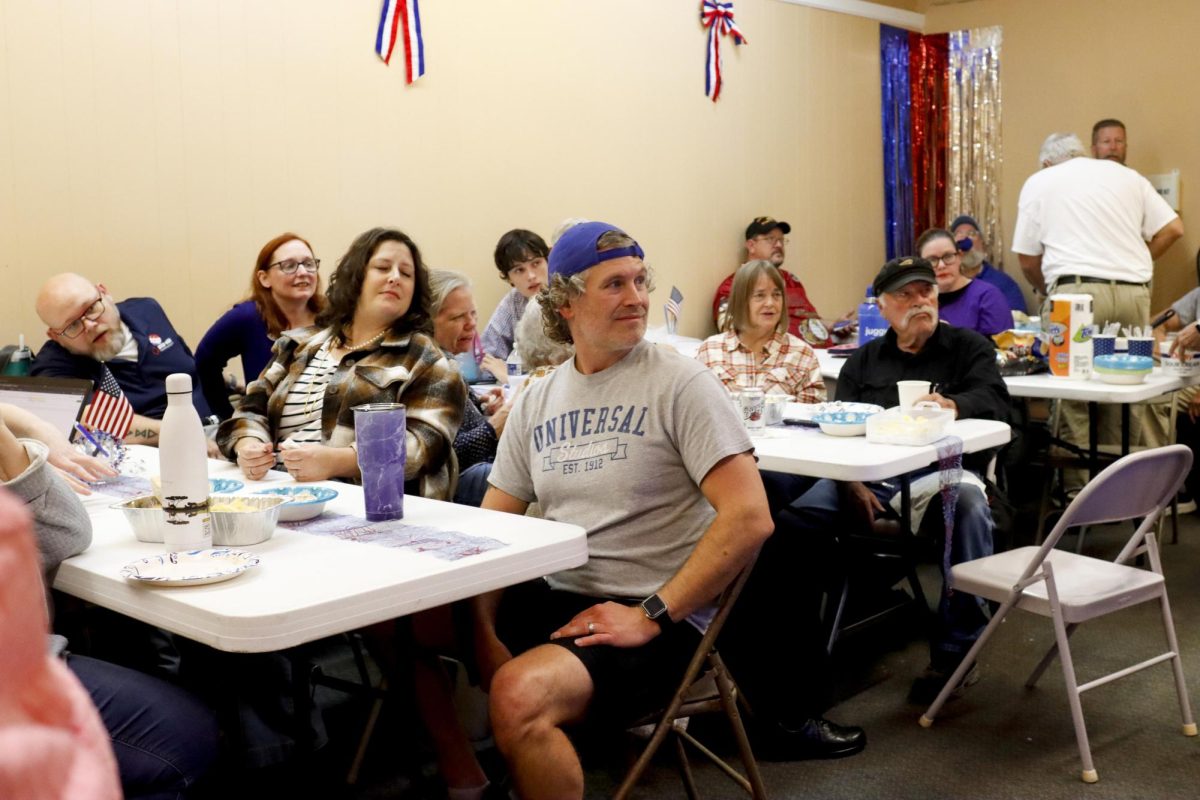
{"points": [[978, 306]]}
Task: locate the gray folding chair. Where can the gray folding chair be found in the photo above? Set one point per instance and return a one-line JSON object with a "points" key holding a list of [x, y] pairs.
{"points": [[694, 696], [1071, 588]]}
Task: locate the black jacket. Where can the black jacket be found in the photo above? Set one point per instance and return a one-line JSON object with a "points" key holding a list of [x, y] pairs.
{"points": [[960, 361]]}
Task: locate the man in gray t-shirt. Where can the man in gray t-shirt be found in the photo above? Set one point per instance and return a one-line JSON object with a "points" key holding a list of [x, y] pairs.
{"points": [[642, 447]]}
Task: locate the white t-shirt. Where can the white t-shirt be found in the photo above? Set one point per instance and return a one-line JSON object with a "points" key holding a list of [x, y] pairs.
{"points": [[1090, 217], [622, 452]]}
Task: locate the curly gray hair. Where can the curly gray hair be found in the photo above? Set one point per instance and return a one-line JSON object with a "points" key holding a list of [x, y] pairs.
{"points": [[534, 346]]}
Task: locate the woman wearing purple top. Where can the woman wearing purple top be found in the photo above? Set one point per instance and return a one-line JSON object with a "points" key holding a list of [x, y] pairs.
{"points": [[962, 302], [284, 294]]}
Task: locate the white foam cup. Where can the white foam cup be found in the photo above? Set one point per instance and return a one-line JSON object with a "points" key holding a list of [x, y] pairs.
{"points": [[911, 391]]}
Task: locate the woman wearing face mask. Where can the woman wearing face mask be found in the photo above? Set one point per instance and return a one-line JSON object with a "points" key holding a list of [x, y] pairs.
{"points": [[284, 294]]}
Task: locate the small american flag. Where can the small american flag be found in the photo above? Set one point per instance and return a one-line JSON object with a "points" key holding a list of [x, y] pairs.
{"points": [[109, 410], [671, 308]]}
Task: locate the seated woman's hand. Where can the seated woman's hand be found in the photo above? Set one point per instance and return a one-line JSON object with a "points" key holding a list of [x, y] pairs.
{"points": [[497, 367], [77, 469], [492, 400], [255, 457], [314, 462]]}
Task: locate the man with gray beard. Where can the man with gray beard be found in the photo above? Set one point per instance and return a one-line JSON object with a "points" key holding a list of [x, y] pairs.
{"points": [[975, 264], [960, 365], [133, 340]]}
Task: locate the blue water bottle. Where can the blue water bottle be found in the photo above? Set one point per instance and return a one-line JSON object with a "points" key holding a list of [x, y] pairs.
{"points": [[871, 324]]}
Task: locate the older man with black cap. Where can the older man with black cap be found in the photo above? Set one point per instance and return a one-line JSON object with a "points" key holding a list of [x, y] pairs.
{"points": [[975, 264], [961, 368], [642, 447], [766, 240]]}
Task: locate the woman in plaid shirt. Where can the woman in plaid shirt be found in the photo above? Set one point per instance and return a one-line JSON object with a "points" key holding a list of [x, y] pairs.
{"points": [[372, 344], [756, 348]]}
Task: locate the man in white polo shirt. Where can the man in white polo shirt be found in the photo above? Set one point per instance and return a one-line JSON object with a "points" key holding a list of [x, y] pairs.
{"points": [[1092, 226]]}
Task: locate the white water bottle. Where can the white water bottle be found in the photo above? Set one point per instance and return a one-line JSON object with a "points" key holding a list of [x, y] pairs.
{"points": [[513, 362], [183, 469]]}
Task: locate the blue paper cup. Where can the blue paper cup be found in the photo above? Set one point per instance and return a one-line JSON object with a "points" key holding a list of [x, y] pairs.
{"points": [[1103, 345], [1141, 346]]}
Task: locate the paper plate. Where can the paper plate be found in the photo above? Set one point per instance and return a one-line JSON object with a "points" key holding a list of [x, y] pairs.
{"points": [[191, 568]]}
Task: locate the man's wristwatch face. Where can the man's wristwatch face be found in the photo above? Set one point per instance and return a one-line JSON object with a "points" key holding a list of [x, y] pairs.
{"points": [[654, 608]]}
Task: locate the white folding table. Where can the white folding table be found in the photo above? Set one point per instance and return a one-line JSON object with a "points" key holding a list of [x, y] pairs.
{"points": [[1094, 392], [808, 451], [308, 587], [831, 366]]}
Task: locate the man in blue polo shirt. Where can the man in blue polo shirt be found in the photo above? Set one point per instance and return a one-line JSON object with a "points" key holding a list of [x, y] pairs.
{"points": [[134, 338]]}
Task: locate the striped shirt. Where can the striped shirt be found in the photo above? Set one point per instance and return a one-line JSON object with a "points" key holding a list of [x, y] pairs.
{"points": [[300, 422]]}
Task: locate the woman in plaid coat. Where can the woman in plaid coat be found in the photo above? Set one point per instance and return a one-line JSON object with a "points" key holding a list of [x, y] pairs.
{"points": [[372, 344]]}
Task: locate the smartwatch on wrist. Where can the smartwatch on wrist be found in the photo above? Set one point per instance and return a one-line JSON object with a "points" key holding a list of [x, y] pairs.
{"points": [[656, 610]]}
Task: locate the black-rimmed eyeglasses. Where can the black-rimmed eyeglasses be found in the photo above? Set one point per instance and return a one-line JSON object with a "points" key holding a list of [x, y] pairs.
{"points": [[310, 265], [75, 327]]}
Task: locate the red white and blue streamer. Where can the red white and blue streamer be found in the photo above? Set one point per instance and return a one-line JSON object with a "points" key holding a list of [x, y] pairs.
{"points": [[718, 18], [396, 16]]}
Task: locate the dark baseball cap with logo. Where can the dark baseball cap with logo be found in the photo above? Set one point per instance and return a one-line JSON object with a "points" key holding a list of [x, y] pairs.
{"points": [[763, 225], [900, 272]]}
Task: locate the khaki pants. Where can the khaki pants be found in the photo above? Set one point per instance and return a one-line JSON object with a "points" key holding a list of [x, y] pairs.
{"points": [[1128, 305]]}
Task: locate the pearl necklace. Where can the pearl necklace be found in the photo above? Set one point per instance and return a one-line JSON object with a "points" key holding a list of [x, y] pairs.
{"points": [[345, 345]]}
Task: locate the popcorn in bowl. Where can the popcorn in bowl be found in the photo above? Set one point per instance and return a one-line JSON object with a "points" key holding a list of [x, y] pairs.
{"points": [[920, 425]]}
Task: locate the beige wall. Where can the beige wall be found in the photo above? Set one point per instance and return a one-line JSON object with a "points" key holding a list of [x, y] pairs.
{"points": [[155, 146], [1068, 63]]}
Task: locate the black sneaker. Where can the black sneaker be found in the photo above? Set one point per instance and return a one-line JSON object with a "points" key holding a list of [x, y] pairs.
{"points": [[814, 739], [929, 683], [1185, 501]]}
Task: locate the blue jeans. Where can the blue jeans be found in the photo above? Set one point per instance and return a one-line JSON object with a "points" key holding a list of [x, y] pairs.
{"points": [[164, 738], [473, 484], [961, 618]]}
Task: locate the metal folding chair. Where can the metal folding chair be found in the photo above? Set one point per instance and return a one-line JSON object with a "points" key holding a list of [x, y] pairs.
{"points": [[695, 696], [1071, 588]]}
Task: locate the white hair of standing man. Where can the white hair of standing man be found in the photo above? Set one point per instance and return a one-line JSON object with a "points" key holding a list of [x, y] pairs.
{"points": [[563, 227], [1060, 147]]}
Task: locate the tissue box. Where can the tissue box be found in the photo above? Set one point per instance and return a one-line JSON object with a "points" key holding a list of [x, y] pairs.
{"points": [[909, 426]]}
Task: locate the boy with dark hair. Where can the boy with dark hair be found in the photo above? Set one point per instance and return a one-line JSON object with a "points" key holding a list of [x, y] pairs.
{"points": [[521, 259]]}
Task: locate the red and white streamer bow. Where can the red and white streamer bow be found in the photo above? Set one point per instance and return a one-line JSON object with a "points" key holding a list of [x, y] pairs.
{"points": [[393, 14], [718, 18]]}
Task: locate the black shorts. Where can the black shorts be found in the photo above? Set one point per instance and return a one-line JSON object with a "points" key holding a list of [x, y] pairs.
{"points": [[629, 682]]}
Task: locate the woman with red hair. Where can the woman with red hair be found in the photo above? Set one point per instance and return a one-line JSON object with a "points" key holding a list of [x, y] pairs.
{"points": [[284, 294]]}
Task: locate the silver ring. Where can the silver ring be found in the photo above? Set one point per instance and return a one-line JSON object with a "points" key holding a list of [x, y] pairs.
{"points": [[591, 627]]}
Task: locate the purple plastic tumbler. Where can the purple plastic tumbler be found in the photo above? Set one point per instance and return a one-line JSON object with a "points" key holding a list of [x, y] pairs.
{"points": [[379, 432]]}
